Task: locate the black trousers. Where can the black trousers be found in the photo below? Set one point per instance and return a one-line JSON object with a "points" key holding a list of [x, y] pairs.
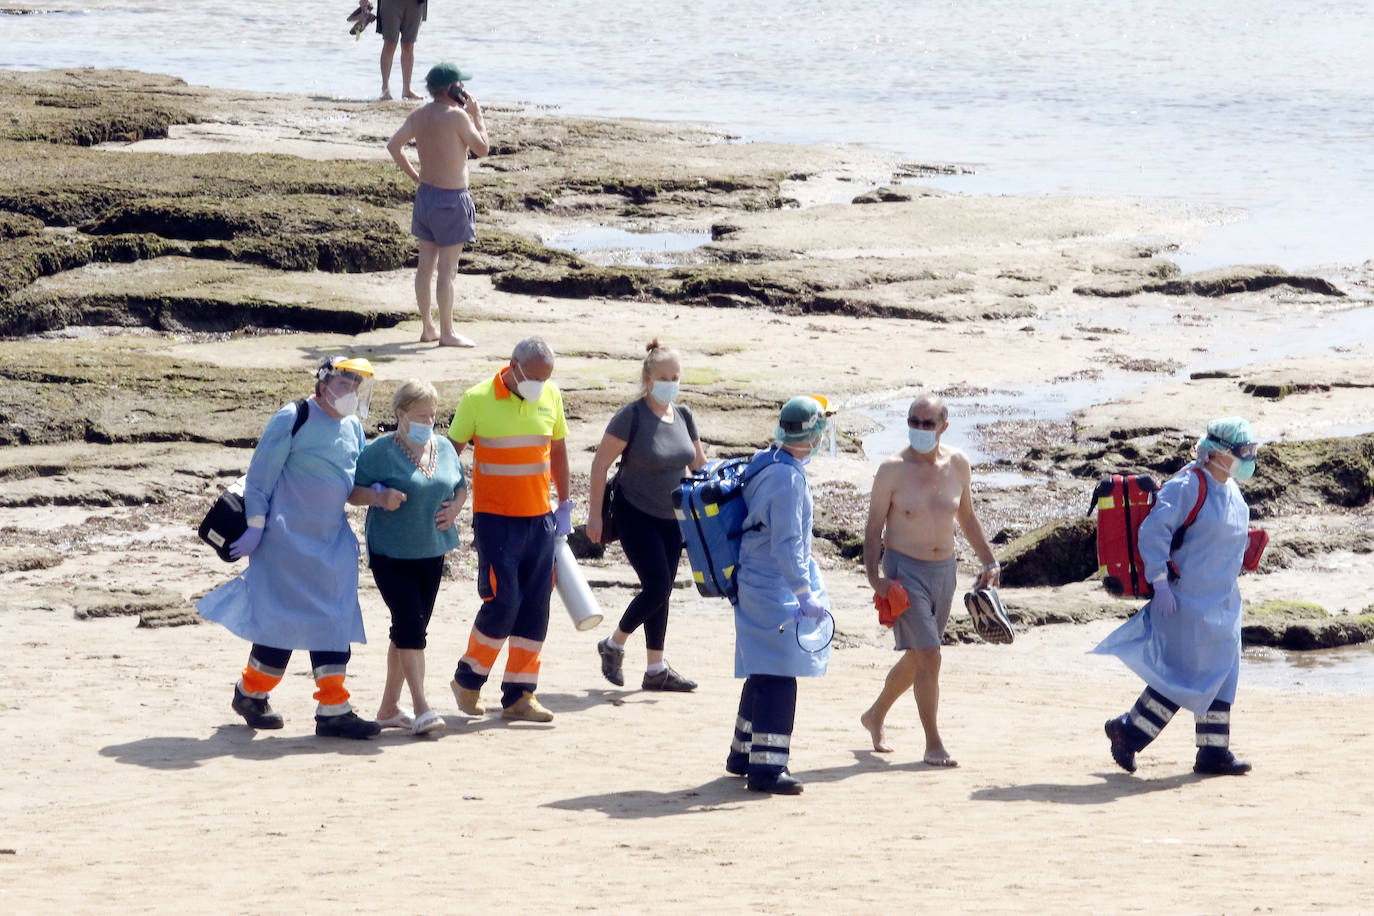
{"points": [[654, 548], [763, 728]]}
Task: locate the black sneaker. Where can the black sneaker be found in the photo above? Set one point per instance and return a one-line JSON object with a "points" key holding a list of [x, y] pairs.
{"points": [[257, 713], [347, 725], [1121, 745], [1219, 761], [612, 658], [782, 784], [667, 679]]}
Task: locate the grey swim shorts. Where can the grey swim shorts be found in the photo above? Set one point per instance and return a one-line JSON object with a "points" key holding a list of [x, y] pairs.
{"points": [[399, 20], [443, 216], [930, 586]]}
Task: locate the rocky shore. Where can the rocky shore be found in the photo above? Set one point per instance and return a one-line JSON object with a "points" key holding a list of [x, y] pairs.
{"points": [[174, 258]]}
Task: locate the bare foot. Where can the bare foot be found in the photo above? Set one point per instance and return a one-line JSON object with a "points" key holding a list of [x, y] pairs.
{"points": [[411, 95], [875, 731], [455, 340], [939, 757], [386, 94], [428, 335]]}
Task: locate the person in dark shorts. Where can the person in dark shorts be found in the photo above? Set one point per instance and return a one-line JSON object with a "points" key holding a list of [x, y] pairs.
{"points": [[658, 441], [406, 545], [443, 216], [444, 132], [398, 21]]}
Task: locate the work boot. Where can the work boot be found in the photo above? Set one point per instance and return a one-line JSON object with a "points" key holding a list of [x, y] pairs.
{"points": [[782, 784], [1219, 761], [669, 680], [257, 713], [469, 701], [527, 709], [348, 725], [612, 658], [1121, 745]]}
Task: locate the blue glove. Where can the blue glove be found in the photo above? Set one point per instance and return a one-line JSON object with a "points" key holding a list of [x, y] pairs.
{"points": [[810, 606], [247, 543], [562, 519], [1163, 604]]}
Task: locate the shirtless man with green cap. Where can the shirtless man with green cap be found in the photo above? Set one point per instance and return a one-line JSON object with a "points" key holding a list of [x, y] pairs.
{"points": [[444, 131]]}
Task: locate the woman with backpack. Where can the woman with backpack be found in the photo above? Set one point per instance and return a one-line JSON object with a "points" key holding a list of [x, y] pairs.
{"points": [[1186, 642], [657, 442]]}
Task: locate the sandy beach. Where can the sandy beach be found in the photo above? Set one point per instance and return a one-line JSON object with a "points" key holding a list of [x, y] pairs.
{"points": [[134, 385]]}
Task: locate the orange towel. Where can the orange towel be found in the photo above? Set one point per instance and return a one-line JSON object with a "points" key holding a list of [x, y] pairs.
{"points": [[893, 606]]}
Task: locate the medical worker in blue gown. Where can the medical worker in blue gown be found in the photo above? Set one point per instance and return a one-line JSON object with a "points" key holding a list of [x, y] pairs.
{"points": [[780, 589], [300, 590], [1186, 642]]}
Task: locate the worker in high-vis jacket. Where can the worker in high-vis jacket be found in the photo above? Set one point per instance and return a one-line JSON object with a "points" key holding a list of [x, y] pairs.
{"points": [[516, 426], [300, 590]]}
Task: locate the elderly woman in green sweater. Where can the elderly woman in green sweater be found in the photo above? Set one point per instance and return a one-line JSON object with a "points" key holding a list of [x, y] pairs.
{"points": [[406, 546]]}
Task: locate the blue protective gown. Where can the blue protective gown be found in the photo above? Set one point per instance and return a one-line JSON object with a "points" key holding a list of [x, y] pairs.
{"points": [[1193, 656], [774, 564], [300, 590]]}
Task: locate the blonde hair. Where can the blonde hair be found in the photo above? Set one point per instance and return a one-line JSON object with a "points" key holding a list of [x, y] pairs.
{"points": [[658, 355], [411, 392]]}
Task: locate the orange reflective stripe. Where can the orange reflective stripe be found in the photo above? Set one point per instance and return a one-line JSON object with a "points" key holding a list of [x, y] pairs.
{"points": [[331, 690], [254, 681], [482, 650], [525, 454], [533, 440], [522, 661]]}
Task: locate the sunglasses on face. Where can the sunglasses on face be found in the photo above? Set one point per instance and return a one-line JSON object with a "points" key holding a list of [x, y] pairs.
{"points": [[918, 423]]}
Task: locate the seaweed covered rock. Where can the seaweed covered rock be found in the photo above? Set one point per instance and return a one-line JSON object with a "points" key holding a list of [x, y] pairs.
{"points": [[1301, 625], [1056, 553]]}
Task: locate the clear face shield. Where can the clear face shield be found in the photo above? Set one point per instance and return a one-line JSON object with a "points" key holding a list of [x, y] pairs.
{"points": [[348, 392]]}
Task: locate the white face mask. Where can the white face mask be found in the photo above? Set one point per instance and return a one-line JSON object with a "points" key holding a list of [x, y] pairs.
{"points": [[345, 404], [923, 440], [528, 388], [664, 392]]}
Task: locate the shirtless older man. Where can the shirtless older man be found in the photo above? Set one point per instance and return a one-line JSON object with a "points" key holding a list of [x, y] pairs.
{"points": [[444, 132], [918, 496]]}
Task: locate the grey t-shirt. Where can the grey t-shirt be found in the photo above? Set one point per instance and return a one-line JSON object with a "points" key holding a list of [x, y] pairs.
{"points": [[657, 456]]}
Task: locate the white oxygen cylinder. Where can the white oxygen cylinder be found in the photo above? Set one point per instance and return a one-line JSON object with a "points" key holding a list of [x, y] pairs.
{"points": [[573, 589]]}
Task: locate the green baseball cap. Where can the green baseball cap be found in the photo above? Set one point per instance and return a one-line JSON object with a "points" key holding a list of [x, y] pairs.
{"points": [[445, 74]]}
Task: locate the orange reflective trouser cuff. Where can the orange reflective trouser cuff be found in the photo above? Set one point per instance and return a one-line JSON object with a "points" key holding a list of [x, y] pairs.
{"points": [[331, 690], [258, 682]]}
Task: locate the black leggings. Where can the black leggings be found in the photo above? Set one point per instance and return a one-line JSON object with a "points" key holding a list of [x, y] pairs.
{"points": [[409, 588], [653, 546]]}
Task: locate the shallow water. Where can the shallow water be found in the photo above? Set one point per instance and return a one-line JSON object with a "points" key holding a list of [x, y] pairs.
{"points": [[1348, 669], [609, 245], [1260, 104]]}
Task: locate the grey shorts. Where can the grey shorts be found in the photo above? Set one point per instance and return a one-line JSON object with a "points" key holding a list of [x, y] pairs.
{"points": [[930, 586], [399, 20], [443, 216]]}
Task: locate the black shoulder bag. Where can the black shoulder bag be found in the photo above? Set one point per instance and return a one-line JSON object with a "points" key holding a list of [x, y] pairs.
{"points": [[227, 519]]}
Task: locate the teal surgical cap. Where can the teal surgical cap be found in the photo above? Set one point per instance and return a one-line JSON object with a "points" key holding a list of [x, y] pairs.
{"points": [[1225, 434]]}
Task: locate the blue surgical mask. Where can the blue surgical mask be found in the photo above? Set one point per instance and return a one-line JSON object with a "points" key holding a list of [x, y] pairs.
{"points": [[664, 392], [1244, 470], [923, 440], [419, 433]]}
